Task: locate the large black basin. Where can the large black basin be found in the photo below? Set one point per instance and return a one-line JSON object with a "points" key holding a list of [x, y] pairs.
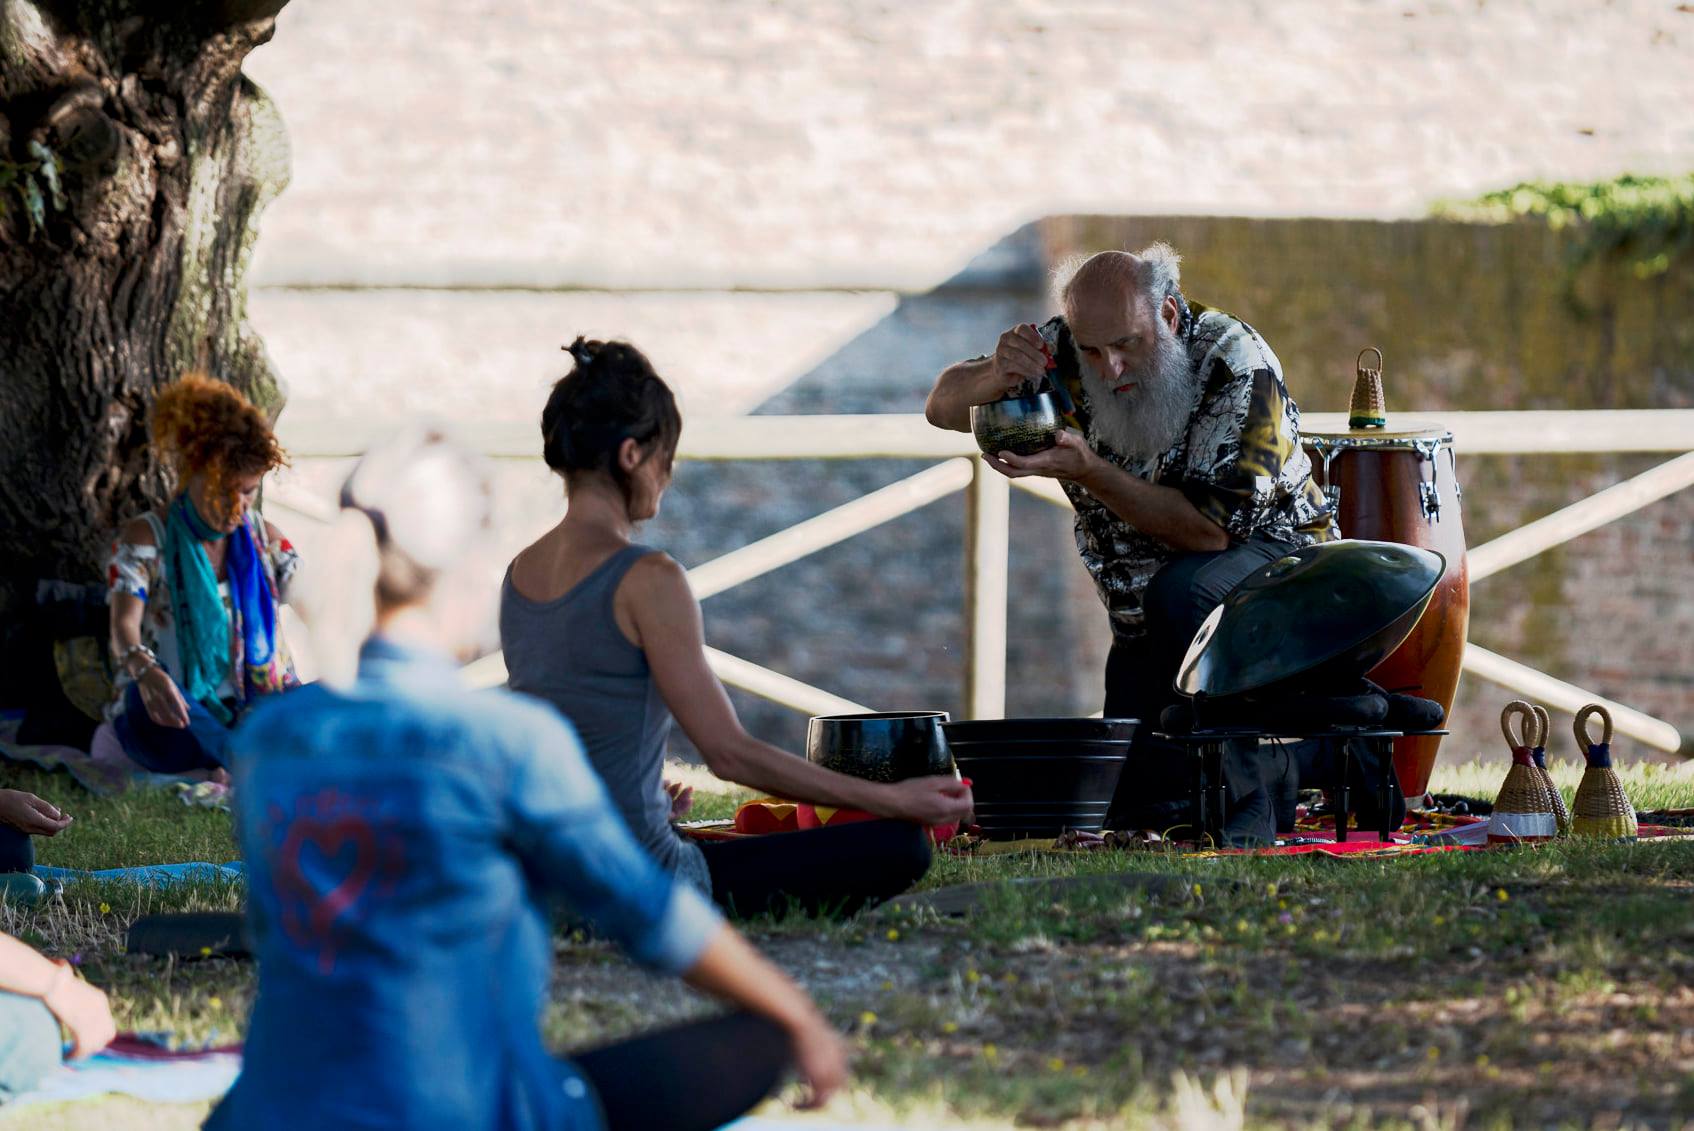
{"points": [[889, 746], [1039, 777]]}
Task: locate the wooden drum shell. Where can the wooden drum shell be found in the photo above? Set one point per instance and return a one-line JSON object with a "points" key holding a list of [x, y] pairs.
{"points": [[1390, 483]]}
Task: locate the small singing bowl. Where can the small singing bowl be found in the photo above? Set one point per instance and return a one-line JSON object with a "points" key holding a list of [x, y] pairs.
{"points": [[1021, 424]]}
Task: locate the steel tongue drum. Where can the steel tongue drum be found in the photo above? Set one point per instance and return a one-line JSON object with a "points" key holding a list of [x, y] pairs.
{"points": [[1320, 616]]}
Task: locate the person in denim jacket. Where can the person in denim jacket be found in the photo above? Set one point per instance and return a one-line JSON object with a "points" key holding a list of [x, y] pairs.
{"points": [[404, 836]]}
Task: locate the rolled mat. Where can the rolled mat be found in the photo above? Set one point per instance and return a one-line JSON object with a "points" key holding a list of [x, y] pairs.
{"points": [[190, 934]]}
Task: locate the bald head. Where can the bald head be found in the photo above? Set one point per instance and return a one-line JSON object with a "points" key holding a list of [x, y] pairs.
{"points": [[1118, 278]]}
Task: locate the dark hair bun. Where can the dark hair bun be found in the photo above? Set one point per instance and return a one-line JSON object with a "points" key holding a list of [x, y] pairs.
{"points": [[611, 395]]}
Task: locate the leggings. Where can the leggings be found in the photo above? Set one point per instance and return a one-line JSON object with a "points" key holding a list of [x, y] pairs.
{"points": [[828, 871], [17, 853], [689, 1078]]}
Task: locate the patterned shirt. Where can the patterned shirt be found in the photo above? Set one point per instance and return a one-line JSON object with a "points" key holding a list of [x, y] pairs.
{"points": [[1239, 460]]}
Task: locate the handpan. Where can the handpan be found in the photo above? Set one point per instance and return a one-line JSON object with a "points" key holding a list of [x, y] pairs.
{"points": [[1401, 484], [1320, 616]]}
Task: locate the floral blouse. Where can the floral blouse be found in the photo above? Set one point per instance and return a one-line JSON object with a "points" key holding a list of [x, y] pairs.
{"points": [[139, 571]]}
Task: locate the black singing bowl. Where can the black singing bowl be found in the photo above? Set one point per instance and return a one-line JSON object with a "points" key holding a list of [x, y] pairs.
{"points": [[890, 746], [1020, 424], [1039, 777]]}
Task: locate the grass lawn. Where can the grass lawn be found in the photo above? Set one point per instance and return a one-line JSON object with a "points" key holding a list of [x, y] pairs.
{"points": [[1551, 986]]}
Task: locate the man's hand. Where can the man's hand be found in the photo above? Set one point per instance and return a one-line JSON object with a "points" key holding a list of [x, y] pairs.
{"points": [[1019, 357], [30, 814], [1069, 458]]}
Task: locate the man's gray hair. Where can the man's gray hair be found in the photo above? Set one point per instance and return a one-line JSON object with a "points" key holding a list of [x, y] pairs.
{"points": [[1154, 272]]}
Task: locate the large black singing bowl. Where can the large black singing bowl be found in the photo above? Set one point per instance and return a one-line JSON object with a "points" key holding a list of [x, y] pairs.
{"points": [[1324, 612], [1039, 777], [889, 746]]}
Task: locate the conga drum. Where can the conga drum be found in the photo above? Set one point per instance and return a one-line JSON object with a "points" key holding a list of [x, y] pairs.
{"points": [[1401, 484]]}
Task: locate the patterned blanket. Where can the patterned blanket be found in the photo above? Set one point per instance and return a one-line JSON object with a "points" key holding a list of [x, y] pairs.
{"points": [[104, 769]]}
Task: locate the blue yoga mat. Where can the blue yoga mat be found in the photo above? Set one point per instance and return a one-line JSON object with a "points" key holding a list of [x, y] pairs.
{"points": [[151, 875]]}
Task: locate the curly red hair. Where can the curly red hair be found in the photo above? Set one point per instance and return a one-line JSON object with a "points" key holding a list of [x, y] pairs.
{"points": [[207, 428]]}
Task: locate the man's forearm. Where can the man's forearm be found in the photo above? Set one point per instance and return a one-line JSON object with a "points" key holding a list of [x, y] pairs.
{"points": [[1158, 512], [960, 386]]}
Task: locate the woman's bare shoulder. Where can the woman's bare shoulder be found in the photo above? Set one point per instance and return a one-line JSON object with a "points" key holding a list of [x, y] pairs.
{"points": [[657, 570], [138, 531]]}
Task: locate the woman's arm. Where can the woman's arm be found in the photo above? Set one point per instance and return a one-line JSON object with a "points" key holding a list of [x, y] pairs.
{"points": [[165, 704], [733, 971], [667, 619], [285, 560], [81, 1008]]}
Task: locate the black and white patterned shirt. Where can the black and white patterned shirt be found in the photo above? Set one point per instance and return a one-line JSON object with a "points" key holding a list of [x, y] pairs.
{"points": [[1239, 461]]}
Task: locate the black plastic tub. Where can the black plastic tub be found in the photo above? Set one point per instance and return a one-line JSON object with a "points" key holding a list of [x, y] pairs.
{"points": [[1039, 777]]}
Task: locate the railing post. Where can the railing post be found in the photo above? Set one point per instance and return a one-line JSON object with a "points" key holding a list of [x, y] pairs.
{"points": [[987, 549]]}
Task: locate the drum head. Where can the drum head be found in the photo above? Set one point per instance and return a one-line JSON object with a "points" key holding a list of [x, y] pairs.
{"points": [[1335, 605], [1332, 427]]}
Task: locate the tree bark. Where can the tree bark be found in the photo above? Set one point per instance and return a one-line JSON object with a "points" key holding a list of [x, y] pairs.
{"points": [[134, 161]]}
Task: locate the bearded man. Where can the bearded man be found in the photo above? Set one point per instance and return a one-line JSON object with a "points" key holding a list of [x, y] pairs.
{"points": [[1187, 477]]}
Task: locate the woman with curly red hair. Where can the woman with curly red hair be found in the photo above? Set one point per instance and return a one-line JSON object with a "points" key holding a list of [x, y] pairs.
{"points": [[195, 588]]}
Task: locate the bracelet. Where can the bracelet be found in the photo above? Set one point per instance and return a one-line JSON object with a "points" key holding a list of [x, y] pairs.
{"points": [[134, 650]]}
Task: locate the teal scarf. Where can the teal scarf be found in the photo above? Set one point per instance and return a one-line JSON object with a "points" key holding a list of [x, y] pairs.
{"points": [[202, 623]]}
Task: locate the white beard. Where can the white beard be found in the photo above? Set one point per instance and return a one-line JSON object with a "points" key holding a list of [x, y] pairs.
{"points": [[1141, 425]]}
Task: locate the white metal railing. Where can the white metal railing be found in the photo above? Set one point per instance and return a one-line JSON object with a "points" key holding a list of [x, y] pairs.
{"points": [[902, 436]]}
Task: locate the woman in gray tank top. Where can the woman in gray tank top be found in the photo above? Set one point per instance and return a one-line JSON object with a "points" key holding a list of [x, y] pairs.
{"points": [[609, 632]]}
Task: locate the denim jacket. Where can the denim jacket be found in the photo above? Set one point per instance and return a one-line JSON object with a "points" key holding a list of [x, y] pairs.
{"points": [[402, 838]]}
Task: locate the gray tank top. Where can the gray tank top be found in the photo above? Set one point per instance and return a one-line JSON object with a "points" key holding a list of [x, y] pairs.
{"points": [[570, 652]]}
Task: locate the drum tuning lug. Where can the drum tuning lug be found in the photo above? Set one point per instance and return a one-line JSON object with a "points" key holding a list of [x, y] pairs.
{"points": [[1431, 497], [1430, 492]]}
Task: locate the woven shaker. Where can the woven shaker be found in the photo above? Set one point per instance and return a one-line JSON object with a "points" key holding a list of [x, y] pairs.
{"points": [[1368, 408], [1523, 813], [1602, 808]]}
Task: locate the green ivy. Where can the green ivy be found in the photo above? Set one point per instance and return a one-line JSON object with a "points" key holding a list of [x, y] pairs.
{"points": [[1646, 223], [35, 183]]}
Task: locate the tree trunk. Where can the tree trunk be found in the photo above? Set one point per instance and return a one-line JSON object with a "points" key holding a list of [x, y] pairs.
{"points": [[134, 161]]}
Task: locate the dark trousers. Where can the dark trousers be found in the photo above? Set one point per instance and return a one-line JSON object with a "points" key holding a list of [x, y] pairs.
{"points": [[1156, 785], [688, 1078], [17, 853], [828, 871], [201, 745]]}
